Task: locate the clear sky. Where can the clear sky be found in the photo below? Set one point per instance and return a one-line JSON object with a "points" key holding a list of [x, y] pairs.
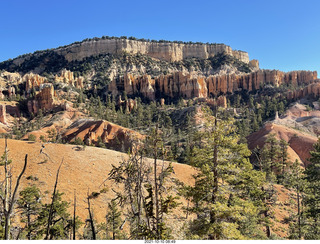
{"points": [[281, 34]]}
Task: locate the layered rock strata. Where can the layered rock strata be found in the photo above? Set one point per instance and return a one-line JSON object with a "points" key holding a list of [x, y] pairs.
{"points": [[167, 51], [189, 86]]}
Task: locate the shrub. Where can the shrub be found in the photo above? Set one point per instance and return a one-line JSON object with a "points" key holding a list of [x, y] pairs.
{"points": [[31, 137], [78, 141]]}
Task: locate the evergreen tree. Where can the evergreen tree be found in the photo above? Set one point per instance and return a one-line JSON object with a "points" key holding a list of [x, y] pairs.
{"points": [[114, 221], [30, 205], [270, 157], [283, 155], [61, 219], [312, 198], [294, 180], [227, 193]]}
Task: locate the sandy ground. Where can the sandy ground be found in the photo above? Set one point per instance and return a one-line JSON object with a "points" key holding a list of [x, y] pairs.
{"points": [[83, 171]]}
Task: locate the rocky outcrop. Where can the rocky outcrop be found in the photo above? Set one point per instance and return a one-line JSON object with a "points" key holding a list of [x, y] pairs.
{"points": [[312, 89], [67, 77], [188, 86], [12, 78], [1, 95], [45, 100], [91, 132], [127, 104], [33, 81], [167, 51], [3, 116], [253, 81], [11, 92], [254, 64], [175, 85]]}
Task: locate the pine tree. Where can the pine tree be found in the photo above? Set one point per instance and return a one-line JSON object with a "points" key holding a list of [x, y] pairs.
{"points": [[61, 219], [114, 220], [30, 205], [294, 180], [227, 192], [270, 157], [283, 158], [312, 198]]}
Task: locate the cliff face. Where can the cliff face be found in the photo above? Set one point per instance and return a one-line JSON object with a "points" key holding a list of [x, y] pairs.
{"points": [[164, 51], [188, 86]]}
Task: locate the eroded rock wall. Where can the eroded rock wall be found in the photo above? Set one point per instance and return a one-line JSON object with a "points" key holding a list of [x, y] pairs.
{"points": [[45, 100], [189, 86], [161, 50]]}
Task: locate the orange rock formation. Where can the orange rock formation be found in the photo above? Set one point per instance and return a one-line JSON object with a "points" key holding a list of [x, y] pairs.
{"points": [[112, 135], [33, 81], [189, 86], [3, 117], [44, 100], [68, 78]]}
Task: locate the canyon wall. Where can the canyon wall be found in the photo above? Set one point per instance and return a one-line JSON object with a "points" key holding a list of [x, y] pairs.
{"points": [[189, 86], [161, 50]]}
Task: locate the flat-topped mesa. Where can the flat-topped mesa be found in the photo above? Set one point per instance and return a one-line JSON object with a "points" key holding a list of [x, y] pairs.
{"points": [[188, 86], [168, 51]]}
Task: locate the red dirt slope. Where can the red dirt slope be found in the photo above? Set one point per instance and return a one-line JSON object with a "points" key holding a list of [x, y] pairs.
{"points": [[299, 143]]}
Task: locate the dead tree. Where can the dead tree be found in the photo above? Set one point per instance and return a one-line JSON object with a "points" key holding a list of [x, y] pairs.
{"points": [[52, 202], [91, 219], [9, 199], [74, 216]]}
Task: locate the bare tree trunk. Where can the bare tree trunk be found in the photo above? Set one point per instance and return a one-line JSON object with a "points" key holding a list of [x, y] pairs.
{"points": [[156, 184], [107, 230], [299, 214], [113, 227], [74, 215], [215, 169], [6, 194], [28, 226], [11, 200], [91, 220], [52, 202]]}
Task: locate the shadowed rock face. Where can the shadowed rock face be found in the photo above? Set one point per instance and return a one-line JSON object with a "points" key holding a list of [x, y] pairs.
{"points": [[189, 86]]}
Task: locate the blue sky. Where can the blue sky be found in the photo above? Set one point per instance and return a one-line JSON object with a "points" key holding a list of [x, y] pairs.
{"points": [[281, 34]]}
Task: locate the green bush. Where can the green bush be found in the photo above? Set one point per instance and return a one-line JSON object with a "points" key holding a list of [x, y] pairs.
{"points": [[32, 137]]}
